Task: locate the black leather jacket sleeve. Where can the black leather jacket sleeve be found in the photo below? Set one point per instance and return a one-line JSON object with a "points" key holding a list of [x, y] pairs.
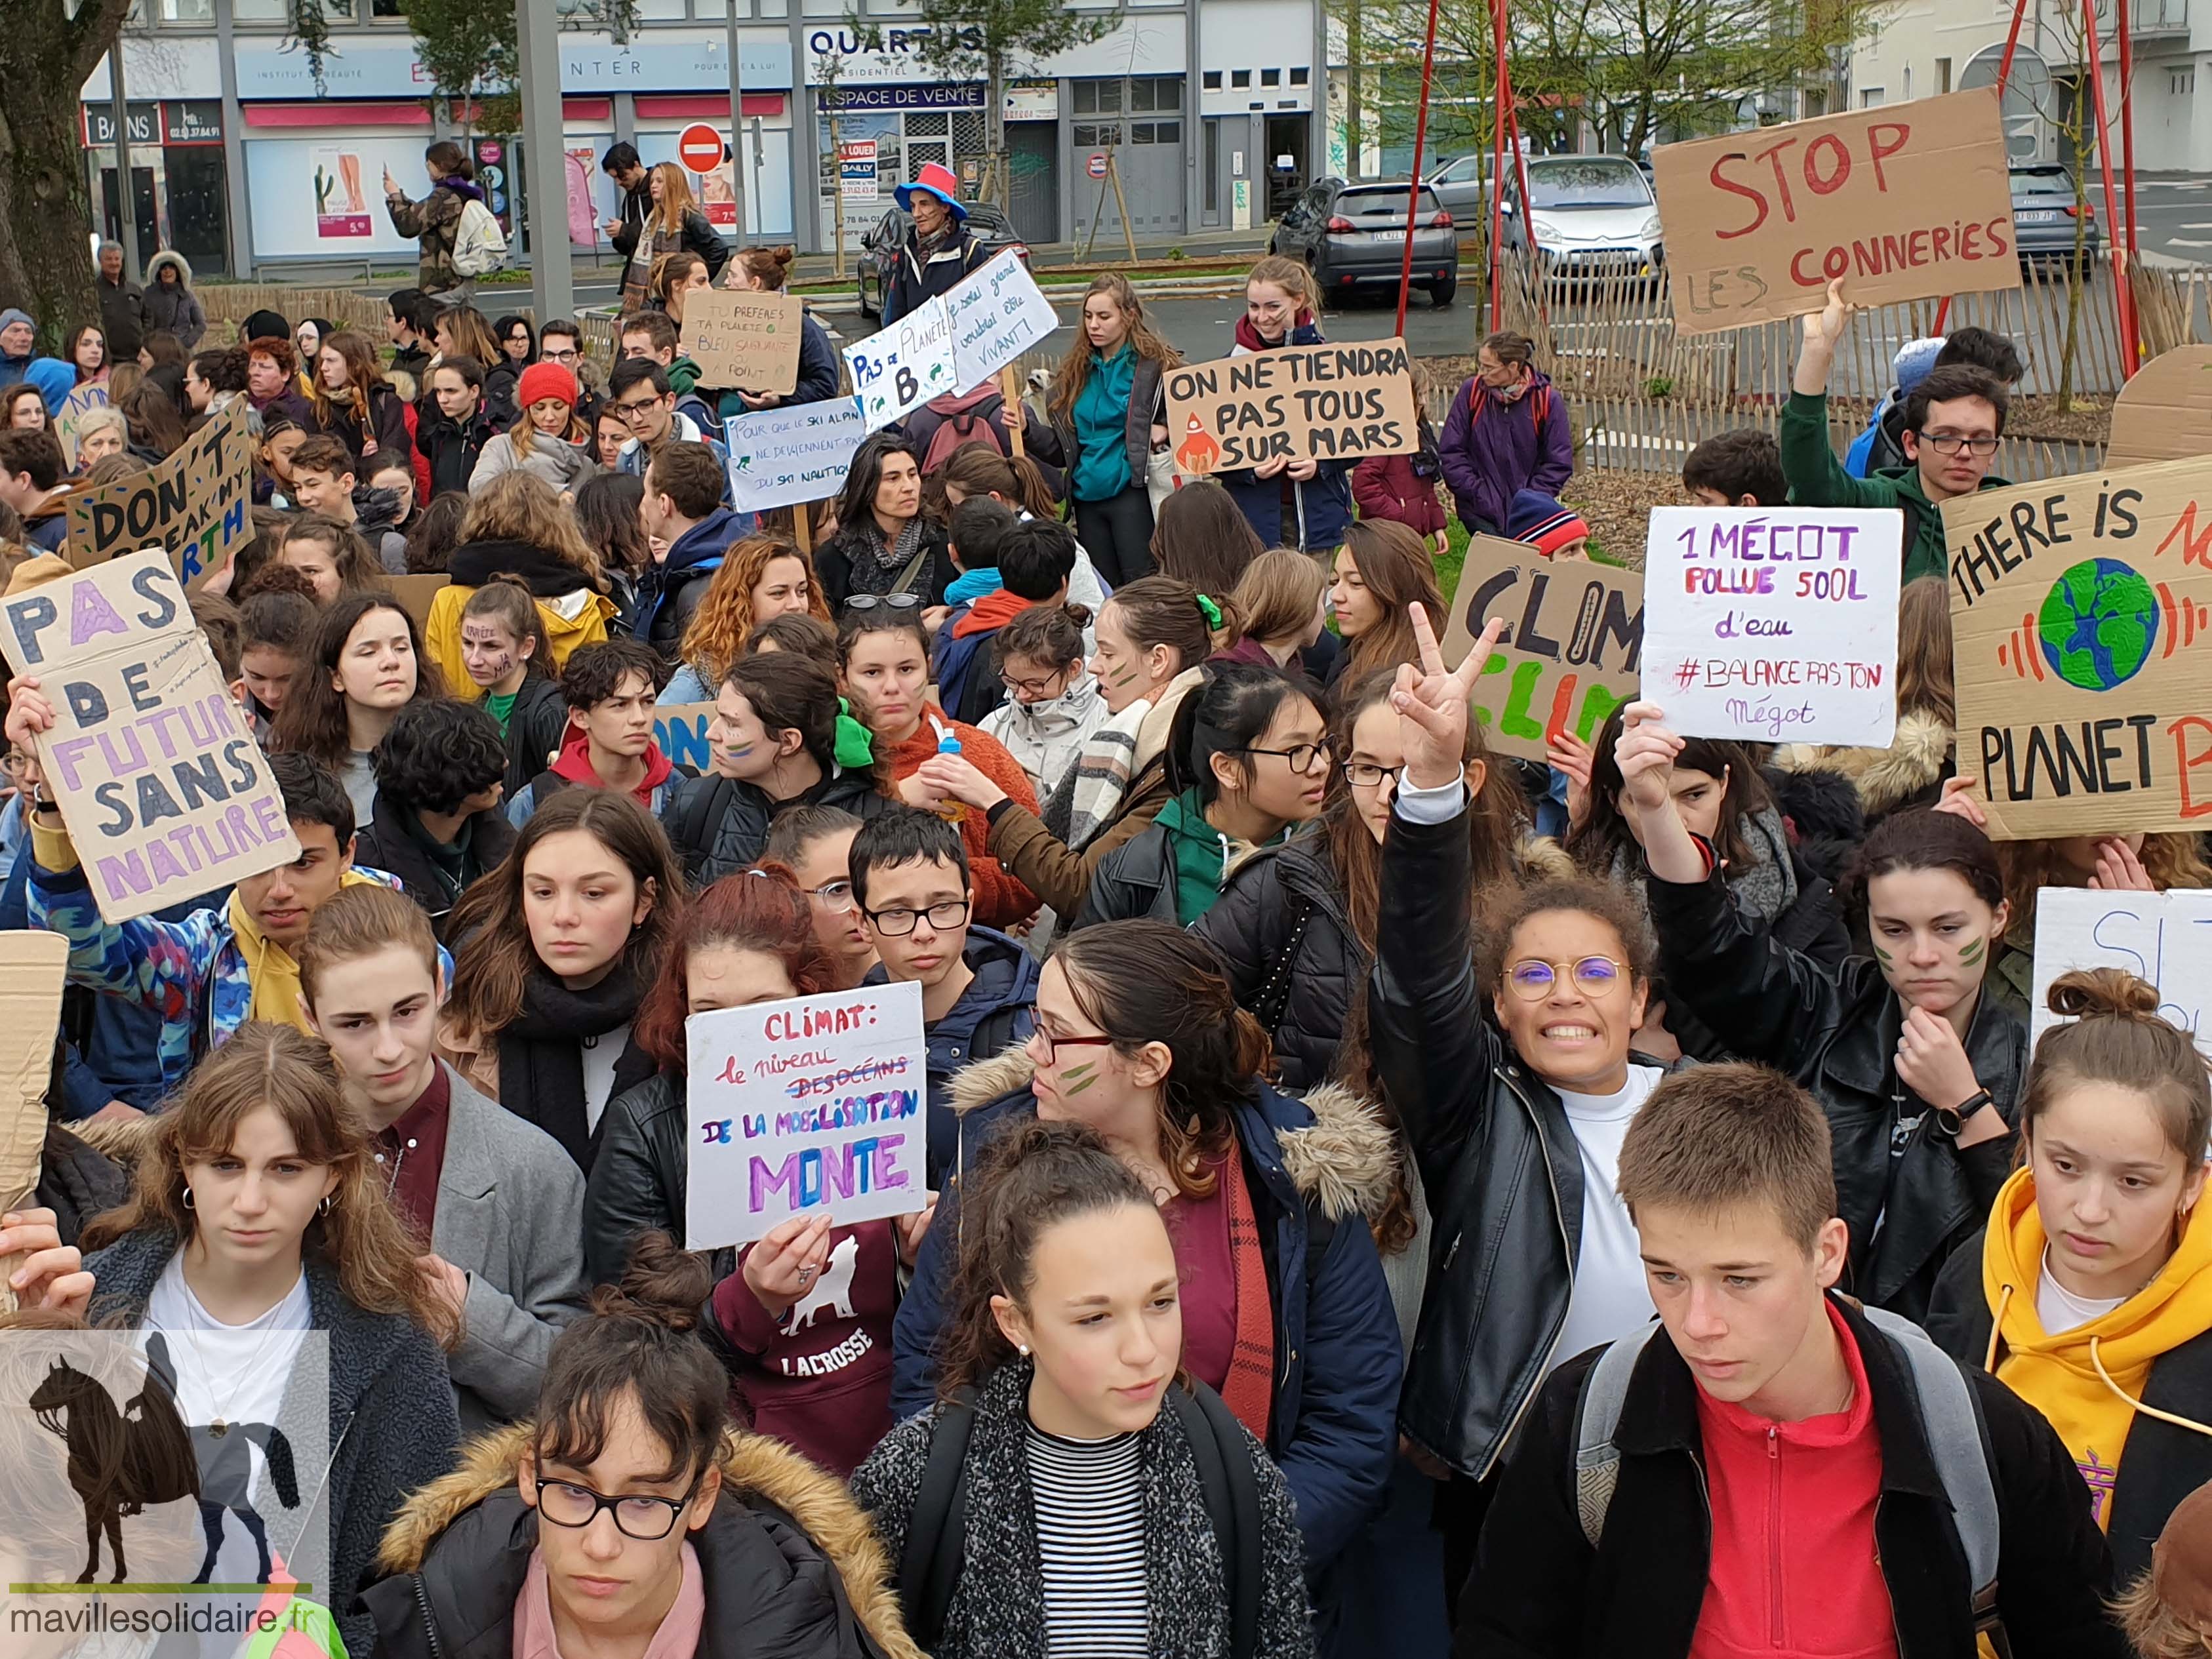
{"points": [[2054, 1566], [627, 1193]]}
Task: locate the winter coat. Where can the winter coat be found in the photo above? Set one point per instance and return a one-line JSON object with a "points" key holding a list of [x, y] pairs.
{"points": [[1541, 1592], [1322, 505], [1319, 1170], [995, 1015], [564, 466], [393, 1427], [435, 224], [637, 1183], [916, 279], [389, 841], [637, 208], [792, 1569], [834, 558], [176, 309], [1817, 478], [1497, 1156], [1835, 1030], [454, 449], [997, 1609], [1909, 773], [669, 592], [1282, 935], [386, 426], [575, 614], [735, 837], [121, 317], [536, 727], [1387, 487], [1045, 738], [1492, 451], [76, 1182]]}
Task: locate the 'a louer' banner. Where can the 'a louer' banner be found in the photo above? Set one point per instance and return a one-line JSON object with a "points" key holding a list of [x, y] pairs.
{"points": [[196, 504], [1903, 202], [1328, 403], [2081, 629]]}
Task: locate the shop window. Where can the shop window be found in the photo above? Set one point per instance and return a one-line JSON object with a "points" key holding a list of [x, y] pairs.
{"points": [[187, 11], [928, 124]]}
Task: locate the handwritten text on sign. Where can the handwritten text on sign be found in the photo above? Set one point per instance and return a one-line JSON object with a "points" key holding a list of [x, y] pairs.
{"points": [[1773, 624], [781, 457], [195, 504], [2082, 644], [997, 313], [2163, 938], [1903, 202], [904, 364], [1322, 402], [814, 1105], [744, 339], [165, 792], [1574, 634]]}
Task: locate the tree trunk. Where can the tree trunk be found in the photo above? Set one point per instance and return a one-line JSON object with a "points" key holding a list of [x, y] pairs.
{"points": [[45, 210], [1355, 90]]}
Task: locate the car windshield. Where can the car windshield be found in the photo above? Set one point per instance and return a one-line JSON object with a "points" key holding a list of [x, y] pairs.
{"points": [[2043, 181], [1598, 182], [1388, 203]]}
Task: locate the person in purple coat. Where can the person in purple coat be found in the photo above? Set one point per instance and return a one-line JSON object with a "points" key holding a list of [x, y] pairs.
{"points": [[1507, 432]]}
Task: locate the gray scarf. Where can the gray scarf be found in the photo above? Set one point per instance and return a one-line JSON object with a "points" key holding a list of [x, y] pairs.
{"points": [[878, 568], [1764, 886]]}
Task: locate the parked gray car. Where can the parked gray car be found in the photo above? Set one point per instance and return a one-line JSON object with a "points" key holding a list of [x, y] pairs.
{"points": [[1593, 216], [1352, 234], [2044, 205]]}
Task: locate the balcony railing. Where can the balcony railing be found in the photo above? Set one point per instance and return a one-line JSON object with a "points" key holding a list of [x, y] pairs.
{"points": [[2149, 16]]}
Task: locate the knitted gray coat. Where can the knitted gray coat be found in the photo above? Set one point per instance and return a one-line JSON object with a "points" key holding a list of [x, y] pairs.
{"points": [[998, 1610]]}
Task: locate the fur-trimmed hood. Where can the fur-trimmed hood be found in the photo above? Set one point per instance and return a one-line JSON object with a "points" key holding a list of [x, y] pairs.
{"points": [[751, 1465], [1343, 1161], [1885, 778], [167, 256]]}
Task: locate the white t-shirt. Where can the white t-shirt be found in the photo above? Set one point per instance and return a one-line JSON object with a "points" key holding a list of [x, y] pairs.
{"points": [[602, 1054], [1611, 1298], [2058, 1311]]}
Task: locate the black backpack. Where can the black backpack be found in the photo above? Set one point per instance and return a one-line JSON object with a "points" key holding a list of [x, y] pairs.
{"points": [[937, 1528], [701, 814]]}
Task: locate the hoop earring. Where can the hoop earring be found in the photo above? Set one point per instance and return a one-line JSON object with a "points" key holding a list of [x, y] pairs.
{"points": [[188, 1198], [324, 1208]]}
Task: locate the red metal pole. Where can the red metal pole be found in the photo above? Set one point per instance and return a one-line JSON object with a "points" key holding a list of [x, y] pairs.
{"points": [[2093, 54], [2004, 79], [1413, 186], [1502, 102]]}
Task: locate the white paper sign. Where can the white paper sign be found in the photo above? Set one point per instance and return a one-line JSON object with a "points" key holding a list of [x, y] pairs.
{"points": [[1773, 625], [780, 456], [904, 364], [817, 1105], [997, 313], [2163, 937]]}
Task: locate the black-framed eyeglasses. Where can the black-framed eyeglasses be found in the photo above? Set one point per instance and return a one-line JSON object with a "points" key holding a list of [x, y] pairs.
{"points": [[1053, 1045], [555, 355], [648, 1519], [1301, 756], [1950, 443], [632, 413], [835, 896], [1051, 686], [883, 602], [899, 923], [1366, 775], [1594, 977]]}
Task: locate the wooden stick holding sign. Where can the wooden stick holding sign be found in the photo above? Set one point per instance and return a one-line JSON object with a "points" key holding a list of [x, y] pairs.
{"points": [[1010, 395], [32, 967]]}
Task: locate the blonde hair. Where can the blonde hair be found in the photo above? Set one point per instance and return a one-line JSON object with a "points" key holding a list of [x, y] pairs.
{"points": [[2153, 1630], [521, 507], [675, 199], [1279, 594], [1288, 275]]}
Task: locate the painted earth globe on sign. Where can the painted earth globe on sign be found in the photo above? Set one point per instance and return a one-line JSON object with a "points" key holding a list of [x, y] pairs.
{"points": [[2098, 625]]}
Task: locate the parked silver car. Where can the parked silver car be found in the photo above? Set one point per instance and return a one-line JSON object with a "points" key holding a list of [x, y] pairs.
{"points": [[1593, 216]]}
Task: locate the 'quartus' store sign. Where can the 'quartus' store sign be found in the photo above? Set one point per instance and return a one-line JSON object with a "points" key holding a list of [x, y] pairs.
{"points": [[853, 57]]}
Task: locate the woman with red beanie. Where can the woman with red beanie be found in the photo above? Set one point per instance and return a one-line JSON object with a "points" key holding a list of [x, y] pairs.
{"points": [[547, 439]]}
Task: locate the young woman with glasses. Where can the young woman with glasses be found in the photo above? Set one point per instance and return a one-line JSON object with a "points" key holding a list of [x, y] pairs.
{"points": [[1053, 701], [1267, 1198], [631, 1518], [815, 843], [1248, 763]]}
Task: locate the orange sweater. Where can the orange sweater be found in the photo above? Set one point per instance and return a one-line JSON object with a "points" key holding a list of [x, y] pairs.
{"points": [[1000, 901]]}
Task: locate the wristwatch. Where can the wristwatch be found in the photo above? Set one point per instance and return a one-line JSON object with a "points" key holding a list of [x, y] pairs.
{"points": [[1951, 1120]]}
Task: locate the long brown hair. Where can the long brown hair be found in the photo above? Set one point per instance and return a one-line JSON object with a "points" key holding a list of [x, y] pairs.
{"points": [[1203, 538], [521, 507], [359, 1237], [2170, 860], [2116, 1037], [363, 379], [1075, 368], [1398, 572], [1925, 683], [313, 721], [665, 218], [489, 973], [724, 620], [758, 909]]}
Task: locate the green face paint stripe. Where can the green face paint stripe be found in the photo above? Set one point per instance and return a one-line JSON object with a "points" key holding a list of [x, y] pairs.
{"points": [[1078, 1088], [1883, 957], [1970, 952], [1076, 1073]]}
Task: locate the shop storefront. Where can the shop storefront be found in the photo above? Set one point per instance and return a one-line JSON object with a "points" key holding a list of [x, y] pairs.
{"points": [[178, 180]]}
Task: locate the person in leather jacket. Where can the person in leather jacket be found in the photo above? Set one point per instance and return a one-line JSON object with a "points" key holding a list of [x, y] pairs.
{"points": [[1918, 1071]]}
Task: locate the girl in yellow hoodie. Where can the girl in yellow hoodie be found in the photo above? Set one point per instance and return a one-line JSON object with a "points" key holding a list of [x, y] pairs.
{"points": [[2090, 1291]]}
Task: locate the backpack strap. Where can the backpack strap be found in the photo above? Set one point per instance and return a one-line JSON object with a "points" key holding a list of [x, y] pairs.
{"points": [[1231, 1492], [1597, 1414], [1957, 1440], [936, 1526], [694, 825]]}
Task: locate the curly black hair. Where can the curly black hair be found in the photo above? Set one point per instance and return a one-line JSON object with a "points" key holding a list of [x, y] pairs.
{"points": [[438, 752], [595, 671]]}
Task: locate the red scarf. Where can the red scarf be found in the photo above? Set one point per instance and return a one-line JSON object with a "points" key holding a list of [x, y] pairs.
{"points": [[1249, 336], [1248, 1390]]}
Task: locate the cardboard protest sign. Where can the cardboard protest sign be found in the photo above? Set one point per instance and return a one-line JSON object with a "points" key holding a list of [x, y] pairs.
{"points": [[415, 595], [1903, 202], [1328, 402], [997, 313], [680, 729], [32, 964], [818, 1104], [1774, 624], [904, 364], [195, 504], [2081, 645], [782, 457], [742, 339], [164, 790], [2165, 413], [1569, 657], [2163, 938]]}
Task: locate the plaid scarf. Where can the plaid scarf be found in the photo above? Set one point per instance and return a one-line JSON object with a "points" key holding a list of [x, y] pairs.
{"points": [[1248, 1390], [1100, 777]]}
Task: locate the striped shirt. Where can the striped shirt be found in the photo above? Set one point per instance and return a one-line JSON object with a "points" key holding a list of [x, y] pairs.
{"points": [[1089, 1498]]}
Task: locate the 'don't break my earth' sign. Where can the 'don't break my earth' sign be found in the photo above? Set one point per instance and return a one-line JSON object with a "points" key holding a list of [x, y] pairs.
{"points": [[164, 790], [1903, 202], [196, 504], [2081, 645], [1327, 403], [818, 1105]]}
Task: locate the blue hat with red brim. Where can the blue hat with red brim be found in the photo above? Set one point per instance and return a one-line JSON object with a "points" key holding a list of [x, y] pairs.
{"points": [[938, 182]]}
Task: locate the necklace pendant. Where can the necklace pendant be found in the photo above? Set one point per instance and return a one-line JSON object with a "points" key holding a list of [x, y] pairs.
{"points": [[218, 1428]]}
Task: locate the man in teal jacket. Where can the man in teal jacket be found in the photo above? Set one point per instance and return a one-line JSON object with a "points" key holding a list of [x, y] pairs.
{"points": [[1952, 424]]}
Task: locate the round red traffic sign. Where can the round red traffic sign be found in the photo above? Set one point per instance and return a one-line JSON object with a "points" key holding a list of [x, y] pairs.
{"points": [[1097, 164], [699, 146]]}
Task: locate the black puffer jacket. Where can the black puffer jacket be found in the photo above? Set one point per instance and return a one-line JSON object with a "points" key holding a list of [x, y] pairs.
{"points": [[1280, 923], [718, 825], [1498, 1159], [1835, 1030], [535, 727], [637, 1183]]}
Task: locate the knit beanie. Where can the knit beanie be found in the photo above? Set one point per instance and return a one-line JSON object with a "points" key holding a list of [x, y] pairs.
{"points": [[1544, 524], [542, 380], [1913, 360], [12, 316]]}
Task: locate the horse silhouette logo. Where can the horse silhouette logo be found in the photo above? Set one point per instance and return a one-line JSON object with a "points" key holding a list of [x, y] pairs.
{"points": [[833, 1288]]}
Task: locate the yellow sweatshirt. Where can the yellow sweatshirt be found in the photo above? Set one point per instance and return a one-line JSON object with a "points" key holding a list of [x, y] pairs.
{"points": [[269, 969], [2057, 1374]]}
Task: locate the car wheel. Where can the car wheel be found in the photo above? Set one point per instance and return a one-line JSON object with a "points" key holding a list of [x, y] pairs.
{"points": [[1440, 290]]}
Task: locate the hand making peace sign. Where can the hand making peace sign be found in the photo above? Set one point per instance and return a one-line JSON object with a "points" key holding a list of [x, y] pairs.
{"points": [[1432, 700]]}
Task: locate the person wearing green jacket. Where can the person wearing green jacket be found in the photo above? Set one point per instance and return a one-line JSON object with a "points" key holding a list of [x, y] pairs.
{"points": [[1952, 424]]}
